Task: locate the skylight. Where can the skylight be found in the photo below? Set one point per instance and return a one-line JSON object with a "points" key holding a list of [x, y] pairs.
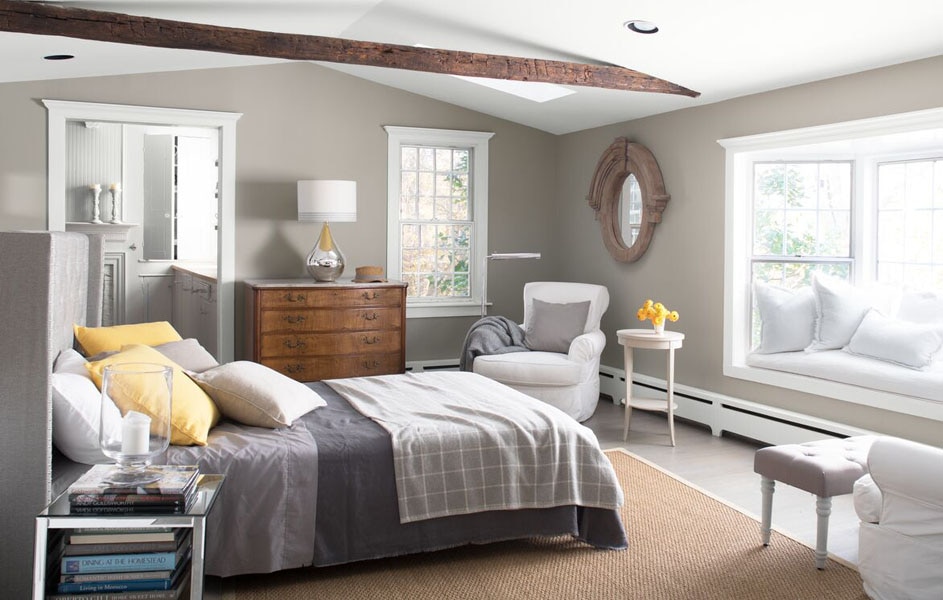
{"points": [[535, 91]]}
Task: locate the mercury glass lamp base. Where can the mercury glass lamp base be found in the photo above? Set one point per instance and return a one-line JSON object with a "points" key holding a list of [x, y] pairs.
{"points": [[325, 262]]}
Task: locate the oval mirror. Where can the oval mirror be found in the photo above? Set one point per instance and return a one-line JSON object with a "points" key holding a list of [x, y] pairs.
{"points": [[628, 195]]}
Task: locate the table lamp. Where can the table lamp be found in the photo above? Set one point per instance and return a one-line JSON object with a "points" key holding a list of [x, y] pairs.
{"points": [[326, 200]]}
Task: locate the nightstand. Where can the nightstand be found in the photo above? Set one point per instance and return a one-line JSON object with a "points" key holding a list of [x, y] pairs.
{"points": [[57, 516], [649, 340]]}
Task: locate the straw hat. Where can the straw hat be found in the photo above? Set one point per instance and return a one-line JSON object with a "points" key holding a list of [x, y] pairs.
{"points": [[369, 274]]}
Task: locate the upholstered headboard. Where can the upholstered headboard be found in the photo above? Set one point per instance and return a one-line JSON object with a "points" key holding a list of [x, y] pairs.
{"points": [[48, 281]]}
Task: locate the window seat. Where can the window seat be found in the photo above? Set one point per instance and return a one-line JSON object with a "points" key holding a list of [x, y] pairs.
{"points": [[861, 371]]}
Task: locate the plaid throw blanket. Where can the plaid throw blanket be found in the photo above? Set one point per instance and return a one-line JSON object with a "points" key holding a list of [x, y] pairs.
{"points": [[463, 443]]}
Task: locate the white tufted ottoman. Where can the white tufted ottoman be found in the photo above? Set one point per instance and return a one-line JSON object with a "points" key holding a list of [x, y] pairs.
{"points": [[825, 468]]}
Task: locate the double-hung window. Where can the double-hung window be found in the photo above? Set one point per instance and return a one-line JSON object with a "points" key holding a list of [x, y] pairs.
{"points": [[861, 201], [437, 218]]}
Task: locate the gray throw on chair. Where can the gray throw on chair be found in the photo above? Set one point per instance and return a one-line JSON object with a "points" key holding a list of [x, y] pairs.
{"points": [[491, 335]]}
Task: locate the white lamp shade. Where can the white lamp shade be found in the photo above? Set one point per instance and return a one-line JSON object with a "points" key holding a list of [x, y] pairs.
{"points": [[327, 200]]}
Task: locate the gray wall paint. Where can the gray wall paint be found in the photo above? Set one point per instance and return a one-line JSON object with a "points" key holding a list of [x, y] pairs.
{"points": [[302, 121], [684, 266]]}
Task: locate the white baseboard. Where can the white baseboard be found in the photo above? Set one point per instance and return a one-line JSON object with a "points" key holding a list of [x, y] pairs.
{"points": [[721, 413]]}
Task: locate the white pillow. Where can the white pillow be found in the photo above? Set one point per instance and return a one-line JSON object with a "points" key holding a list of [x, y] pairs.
{"points": [[254, 394], [900, 342], [839, 309], [76, 403], [787, 316], [921, 307]]}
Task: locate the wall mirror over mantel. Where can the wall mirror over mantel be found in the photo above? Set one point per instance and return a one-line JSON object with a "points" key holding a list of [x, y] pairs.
{"points": [[174, 170], [628, 194]]}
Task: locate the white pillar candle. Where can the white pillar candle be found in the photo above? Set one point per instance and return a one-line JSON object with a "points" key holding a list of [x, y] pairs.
{"points": [[115, 187], [135, 433]]}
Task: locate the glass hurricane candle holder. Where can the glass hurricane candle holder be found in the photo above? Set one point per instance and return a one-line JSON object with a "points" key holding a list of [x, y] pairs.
{"points": [[142, 392]]}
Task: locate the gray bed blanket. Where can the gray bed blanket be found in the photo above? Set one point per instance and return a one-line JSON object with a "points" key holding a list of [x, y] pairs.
{"points": [[463, 443], [491, 335], [323, 492]]}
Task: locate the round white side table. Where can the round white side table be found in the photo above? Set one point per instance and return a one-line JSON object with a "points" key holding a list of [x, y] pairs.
{"points": [[647, 339]]}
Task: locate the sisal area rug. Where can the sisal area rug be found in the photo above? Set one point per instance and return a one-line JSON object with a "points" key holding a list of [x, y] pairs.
{"points": [[683, 544]]}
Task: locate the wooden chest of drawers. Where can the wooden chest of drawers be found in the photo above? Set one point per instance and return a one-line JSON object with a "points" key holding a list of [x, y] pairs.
{"points": [[312, 331]]}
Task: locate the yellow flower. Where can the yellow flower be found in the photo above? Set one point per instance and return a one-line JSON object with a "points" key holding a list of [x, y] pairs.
{"points": [[656, 312]]}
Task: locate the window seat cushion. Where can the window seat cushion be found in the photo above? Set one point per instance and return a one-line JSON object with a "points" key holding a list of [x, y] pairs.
{"points": [[843, 367]]}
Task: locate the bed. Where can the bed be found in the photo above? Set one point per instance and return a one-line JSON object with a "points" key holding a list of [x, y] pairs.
{"points": [[321, 492]]}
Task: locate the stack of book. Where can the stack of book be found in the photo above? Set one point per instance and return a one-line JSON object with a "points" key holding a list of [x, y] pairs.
{"points": [[173, 493], [124, 564], [115, 563]]}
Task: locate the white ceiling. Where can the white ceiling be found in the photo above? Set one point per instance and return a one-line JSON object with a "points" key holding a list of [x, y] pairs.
{"points": [[722, 49]]}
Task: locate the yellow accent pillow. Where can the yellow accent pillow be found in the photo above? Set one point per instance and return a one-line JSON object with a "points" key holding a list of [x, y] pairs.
{"points": [[192, 412], [108, 339]]}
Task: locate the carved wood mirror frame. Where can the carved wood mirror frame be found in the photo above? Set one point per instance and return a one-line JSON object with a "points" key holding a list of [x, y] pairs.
{"points": [[621, 159]]}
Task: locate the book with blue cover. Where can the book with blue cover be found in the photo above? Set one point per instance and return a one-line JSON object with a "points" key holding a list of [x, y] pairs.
{"points": [[127, 585]]}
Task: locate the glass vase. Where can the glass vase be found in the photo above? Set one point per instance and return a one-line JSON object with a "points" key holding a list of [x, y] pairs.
{"points": [[143, 394]]}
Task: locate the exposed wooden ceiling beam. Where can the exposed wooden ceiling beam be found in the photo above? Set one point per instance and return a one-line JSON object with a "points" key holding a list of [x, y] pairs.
{"points": [[47, 19]]}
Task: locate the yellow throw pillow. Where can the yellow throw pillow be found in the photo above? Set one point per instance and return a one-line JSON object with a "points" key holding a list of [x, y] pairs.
{"points": [[192, 413], [109, 339]]}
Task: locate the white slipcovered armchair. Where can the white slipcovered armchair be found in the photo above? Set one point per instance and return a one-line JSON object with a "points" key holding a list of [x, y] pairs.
{"points": [[559, 372], [900, 504]]}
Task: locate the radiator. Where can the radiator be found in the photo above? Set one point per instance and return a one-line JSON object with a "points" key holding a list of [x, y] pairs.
{"points": [[720, 413]]}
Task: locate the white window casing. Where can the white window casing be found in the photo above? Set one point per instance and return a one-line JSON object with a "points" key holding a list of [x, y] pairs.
{"points": [[477, 142]]}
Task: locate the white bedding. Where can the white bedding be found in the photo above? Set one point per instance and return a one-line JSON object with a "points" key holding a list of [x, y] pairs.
{"points": [[463, 443], [838, 365]]}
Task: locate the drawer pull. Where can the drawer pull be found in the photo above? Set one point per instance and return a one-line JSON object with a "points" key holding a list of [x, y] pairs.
{"points": [[371, 364], [295, 298], [370, 316], [369, 296], [294, 318], [295, 344], [373, 340], [294, 368]]}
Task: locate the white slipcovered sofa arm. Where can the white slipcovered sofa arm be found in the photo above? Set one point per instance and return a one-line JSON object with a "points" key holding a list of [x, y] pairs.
{"points": [[587, 347], [910, 478], [868, 500]]}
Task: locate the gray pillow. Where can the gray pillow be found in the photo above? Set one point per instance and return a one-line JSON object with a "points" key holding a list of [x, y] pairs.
{"points": [[553, 326], [188, 354]]}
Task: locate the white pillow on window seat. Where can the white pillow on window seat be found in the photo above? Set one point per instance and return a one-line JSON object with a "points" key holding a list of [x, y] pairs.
{"points": [[787, 317], [76, 403], [903, 343], [839, 309], [921, 307]]}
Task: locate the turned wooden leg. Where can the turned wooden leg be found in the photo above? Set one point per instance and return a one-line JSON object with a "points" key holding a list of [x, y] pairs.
{"points": [[823, 508], [767, 486]]}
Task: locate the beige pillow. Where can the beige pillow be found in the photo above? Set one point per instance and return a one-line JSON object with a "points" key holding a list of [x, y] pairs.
{"points": [[254, 394]]}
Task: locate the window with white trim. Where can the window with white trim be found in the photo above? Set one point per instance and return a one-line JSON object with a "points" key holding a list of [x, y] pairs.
{"points": [[437, 215], [861, 200]]}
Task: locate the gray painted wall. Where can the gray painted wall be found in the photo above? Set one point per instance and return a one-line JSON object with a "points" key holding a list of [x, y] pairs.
{"points": [[684, 266], [302, 121]]}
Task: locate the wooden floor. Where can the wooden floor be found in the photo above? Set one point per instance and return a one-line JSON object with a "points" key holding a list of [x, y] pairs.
{"points": [[724, 467]]}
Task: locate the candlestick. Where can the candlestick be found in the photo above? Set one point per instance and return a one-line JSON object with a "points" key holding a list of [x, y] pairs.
{"points": [[115, 190], [135, 433], [96, 208]]}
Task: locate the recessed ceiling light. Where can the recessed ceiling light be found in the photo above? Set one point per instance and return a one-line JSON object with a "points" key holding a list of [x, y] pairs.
{"points": [[59, 57], [640, 26]]}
